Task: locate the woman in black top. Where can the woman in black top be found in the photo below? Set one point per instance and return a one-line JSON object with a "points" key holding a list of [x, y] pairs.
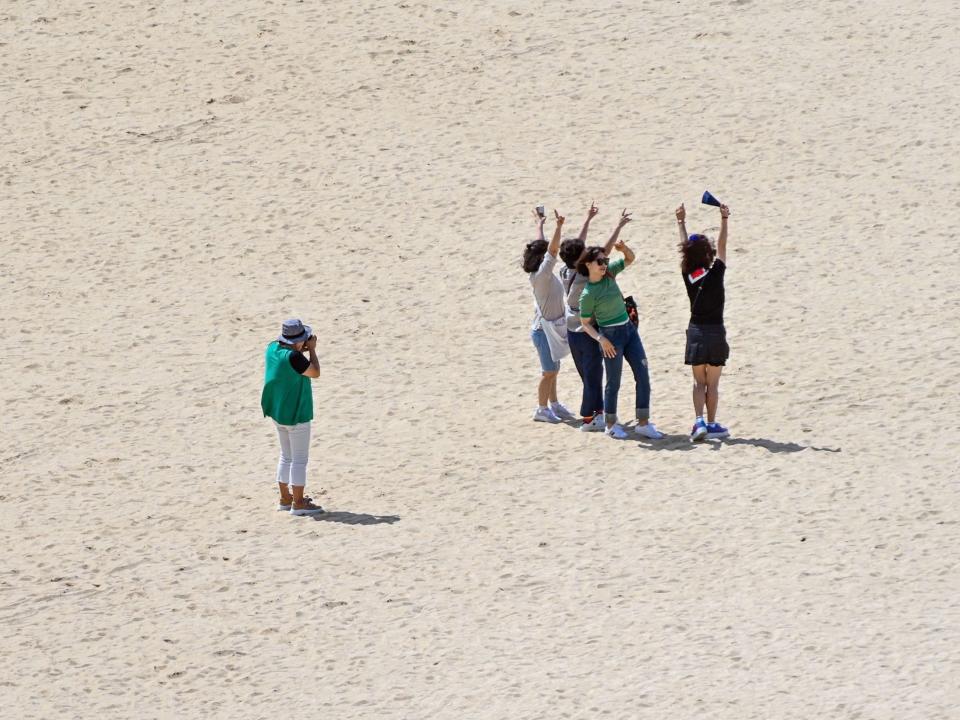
{"points": [[703, 266]]}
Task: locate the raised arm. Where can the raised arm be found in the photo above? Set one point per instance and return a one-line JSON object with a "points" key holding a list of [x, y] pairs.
{"points": [[722, 239], [311, 347], [554, 247], [681, 213], [586, 223], [628, 255], [539, 220], [624, 219]]}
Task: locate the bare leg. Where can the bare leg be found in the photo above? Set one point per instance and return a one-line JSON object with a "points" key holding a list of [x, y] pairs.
{"points": [[713, 390], [548, 384], [298, 496], [300, 502], [553, 388], [699, 388]]}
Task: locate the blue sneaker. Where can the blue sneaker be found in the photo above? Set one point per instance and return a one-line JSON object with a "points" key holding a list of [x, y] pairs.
{"points": [[715, 431], [699, 432]]}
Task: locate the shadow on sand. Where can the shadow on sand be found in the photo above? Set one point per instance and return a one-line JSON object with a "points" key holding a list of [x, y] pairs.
{"points": [[349, 518], [682, 443], [771, 445]]}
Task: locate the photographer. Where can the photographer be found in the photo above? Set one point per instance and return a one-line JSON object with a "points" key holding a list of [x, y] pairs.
{"points": [[287, 398]]}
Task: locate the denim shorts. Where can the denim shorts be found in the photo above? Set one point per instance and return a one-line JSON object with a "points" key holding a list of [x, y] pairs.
{"points": [[547, 363]]}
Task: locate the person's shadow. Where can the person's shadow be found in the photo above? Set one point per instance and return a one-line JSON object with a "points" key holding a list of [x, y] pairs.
{"points": [[773, 446], [682, 443], [349, 518], [667, 442]]}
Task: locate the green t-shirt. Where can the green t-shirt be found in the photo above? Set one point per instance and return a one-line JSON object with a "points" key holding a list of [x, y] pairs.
{"points": [[287, 396], [603, 300]]}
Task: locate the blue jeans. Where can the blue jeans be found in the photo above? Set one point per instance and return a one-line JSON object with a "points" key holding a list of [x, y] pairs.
{"points": [[540, 342], [589, 361], [626, 340]]}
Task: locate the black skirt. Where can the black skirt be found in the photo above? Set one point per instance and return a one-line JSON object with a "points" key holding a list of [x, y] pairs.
{"points": [[706, 345]]}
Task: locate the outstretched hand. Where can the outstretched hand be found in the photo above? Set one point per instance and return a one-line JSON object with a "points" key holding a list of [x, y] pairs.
{"points": [[560, 218], [724, 212], [624, 218], [592, 211], [681, 213], [538, 218]]}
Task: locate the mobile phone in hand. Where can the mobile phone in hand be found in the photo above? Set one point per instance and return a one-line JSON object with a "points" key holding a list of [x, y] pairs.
{"points": [[541, 211]]}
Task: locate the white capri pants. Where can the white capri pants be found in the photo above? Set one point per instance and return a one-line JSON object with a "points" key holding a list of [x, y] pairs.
{"points": [[294, 452]]}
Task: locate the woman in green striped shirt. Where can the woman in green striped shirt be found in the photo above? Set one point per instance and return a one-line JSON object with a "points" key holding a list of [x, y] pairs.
{"points": [[603, 315]]}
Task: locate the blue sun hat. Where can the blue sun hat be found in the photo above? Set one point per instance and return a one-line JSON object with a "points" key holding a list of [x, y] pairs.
{"points": [[294, 331]]}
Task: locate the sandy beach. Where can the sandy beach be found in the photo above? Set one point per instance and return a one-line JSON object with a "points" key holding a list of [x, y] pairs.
{"points": [[178, 178]]}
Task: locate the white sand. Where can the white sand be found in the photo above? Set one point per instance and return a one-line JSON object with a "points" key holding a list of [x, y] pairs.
{"points": [[179, 177]]}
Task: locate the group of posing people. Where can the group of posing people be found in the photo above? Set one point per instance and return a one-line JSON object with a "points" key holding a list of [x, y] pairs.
{"points": [[581, 311]]}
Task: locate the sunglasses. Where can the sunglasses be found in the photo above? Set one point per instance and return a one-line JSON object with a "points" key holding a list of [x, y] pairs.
{"points": [[696, 237], [602, 261]]}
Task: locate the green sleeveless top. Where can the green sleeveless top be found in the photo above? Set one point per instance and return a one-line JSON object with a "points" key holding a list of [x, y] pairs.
{"points": [[286, 396]]}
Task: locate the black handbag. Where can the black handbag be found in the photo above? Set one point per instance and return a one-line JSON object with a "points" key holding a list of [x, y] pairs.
{"points": [[632, 311]]}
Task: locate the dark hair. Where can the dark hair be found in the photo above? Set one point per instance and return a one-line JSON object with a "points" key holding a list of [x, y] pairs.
{"points": [[570, 251], [697, 252], [533, 255], [590, 255]]}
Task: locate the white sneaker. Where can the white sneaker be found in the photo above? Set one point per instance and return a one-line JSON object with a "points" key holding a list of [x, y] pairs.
{"points": [[699, 431], [545, 415], [308, 509], [595, 425], [648, 431], [616, 432], [561, 411]]}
